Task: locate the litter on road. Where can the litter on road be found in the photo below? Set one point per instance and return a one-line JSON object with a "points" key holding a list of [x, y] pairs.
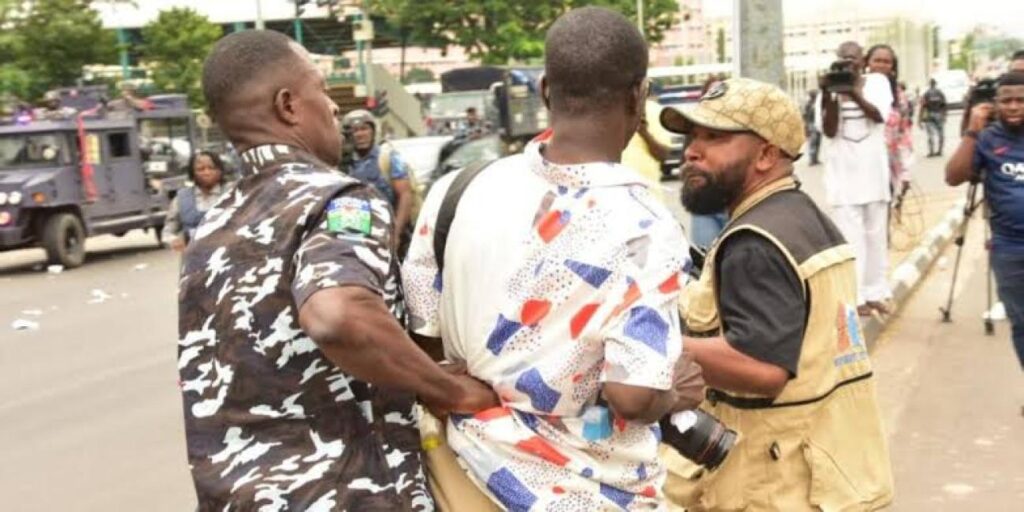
{"points": [[99, 296], [24, 325], [55, 269]]}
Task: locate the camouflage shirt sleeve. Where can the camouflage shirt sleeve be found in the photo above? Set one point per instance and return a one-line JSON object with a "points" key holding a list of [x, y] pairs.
{"points": [[348, 246]]}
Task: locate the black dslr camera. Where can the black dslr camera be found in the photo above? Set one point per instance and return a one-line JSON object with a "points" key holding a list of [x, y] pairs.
{"points": [[841, 76]]}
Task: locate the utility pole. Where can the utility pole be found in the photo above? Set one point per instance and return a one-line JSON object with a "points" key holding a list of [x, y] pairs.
{"points": [[758, 35], [297, 22], [640, 16], [259, 15]]}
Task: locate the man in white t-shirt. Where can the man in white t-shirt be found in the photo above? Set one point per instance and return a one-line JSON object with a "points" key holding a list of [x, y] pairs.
{"points": [[857, 172], [559, 289]]}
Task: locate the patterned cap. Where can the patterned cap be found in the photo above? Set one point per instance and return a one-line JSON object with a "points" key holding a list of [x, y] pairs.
{"points": [[743, 105]]}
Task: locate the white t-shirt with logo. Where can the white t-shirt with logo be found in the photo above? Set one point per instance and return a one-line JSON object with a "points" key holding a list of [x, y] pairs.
{"points": [[856, 159]]}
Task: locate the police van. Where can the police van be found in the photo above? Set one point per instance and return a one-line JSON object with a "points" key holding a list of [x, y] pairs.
{"points": [[90, 167]]}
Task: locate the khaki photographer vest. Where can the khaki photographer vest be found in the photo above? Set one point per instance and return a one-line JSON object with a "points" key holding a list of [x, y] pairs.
{"points": [[819, 445]]}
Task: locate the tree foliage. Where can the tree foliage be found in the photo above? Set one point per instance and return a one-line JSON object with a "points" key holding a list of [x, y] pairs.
{"points": [[176, 43], [45, 44], [502, 32]]}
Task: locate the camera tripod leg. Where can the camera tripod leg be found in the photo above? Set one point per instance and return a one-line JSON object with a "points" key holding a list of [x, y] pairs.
{"points": [[959, 241], [990, 326]]}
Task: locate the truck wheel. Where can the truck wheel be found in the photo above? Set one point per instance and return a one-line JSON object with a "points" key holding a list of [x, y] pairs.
{"points": [[64, 240]]}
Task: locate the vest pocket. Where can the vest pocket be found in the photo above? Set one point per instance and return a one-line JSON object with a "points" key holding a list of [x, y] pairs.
{"points": [[831, 488]]}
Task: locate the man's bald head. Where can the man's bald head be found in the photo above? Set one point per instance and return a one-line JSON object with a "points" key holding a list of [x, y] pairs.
{"points": [[593, 58], [242, 59]]}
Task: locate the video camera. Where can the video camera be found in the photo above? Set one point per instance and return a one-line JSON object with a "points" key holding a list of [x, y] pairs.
{"points": [[984, 91], [841, 76]]}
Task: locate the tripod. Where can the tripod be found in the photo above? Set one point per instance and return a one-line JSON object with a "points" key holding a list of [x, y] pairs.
{"points": [[961, 234]]}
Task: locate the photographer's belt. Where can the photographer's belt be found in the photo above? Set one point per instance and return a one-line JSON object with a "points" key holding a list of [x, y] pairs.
{"points": [[714, 396]]}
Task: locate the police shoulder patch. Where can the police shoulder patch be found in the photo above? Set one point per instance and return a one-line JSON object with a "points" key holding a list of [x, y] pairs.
{"points": [[349, 215]]}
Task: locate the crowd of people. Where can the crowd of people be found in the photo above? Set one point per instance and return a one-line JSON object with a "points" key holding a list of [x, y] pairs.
{"points": [[541, 312]]}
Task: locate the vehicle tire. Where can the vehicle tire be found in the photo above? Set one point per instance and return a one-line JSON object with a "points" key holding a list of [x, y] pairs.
{"points": [[64, 240]]}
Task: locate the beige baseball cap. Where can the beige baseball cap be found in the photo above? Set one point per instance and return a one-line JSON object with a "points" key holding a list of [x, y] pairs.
{"points": [[743, 105]]}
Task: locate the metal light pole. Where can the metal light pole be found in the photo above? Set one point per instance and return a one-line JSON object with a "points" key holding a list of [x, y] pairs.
{"points": [[259, 15], [640, 16], [757, 35]]}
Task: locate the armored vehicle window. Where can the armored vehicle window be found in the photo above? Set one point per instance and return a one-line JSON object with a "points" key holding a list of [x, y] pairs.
{"points": [[33, 150], [120, 145]]}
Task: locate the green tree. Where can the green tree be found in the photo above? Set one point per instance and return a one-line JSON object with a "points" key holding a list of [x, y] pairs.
{"points": [[418, 75], [176, 43], [55, 38], [502, 32]]}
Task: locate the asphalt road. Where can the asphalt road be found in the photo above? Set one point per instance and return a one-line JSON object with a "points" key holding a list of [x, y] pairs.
{"points": [[90, 413]]}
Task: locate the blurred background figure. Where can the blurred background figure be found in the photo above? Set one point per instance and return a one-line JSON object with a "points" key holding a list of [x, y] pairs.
{"points": [[206, 172]]}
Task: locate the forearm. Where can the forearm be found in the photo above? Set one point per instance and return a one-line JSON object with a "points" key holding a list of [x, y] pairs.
{"points": [[364, 340], [830, 114], [726, 368], [403, 212], [639, 404], [658, 150], [959, 168], [869, 110]]}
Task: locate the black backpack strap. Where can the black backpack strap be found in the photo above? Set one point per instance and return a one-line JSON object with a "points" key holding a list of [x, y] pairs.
{"points": [[446, 214]]}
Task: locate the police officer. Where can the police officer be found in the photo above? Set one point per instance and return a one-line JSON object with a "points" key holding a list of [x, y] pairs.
{"points": [[298, 380], [382, 167], [779, 342]]}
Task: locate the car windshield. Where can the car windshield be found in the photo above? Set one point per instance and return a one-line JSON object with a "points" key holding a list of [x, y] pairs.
{"points": [[421, 153], [487, 148], [455, 104], [33, 150]]}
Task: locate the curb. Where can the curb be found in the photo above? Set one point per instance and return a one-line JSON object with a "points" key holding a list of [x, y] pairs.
{"points": [[909, 274]]}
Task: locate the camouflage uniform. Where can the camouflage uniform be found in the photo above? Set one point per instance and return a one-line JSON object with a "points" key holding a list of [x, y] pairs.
{"points": [[271, 423]]}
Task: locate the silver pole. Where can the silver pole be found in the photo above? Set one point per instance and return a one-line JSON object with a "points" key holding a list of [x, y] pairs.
{"points": [[259, 15]]}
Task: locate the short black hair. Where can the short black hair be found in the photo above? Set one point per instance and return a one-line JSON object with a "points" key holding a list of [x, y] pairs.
{"points": [[1017, 55], [1011, 78], [593, 56], [236, 60], [214, 157]]}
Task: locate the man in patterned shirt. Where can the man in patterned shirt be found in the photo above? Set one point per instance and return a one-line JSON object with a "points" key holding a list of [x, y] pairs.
{"points": [[297, 379], [559, 289]]}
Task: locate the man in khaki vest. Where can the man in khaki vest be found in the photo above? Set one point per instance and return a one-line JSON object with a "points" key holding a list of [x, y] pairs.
{"points": [[774, 321]]}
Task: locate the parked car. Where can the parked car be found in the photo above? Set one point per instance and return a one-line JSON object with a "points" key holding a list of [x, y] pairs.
{"points": [[423, 154]]}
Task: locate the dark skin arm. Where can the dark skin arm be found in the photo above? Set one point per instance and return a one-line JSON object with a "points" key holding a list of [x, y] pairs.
{"points": [[403, 210], [727, 368], [960, 167], [634, 403], [355, 331], [829, 112], [658, 150], [830, 108]]}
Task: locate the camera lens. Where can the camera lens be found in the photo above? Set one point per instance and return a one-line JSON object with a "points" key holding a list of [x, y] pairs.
{"points": [[699, 437]]}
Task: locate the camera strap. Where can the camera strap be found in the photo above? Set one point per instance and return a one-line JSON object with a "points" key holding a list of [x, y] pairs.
{"points": [[446, 215], [740, 402]]}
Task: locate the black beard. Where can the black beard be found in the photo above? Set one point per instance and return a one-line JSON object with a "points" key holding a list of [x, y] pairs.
{"points": [[716, 194]]}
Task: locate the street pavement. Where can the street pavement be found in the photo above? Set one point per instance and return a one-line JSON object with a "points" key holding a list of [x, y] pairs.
{"points": [[90, 411]]}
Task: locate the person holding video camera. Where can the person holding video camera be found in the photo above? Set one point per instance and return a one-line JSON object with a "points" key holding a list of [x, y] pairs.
{"points": [[852, 114], [780, 344], [992, 153]]}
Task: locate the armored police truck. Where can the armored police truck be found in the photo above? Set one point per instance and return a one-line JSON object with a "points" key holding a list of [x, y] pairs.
{"points": [[86, 167]]}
